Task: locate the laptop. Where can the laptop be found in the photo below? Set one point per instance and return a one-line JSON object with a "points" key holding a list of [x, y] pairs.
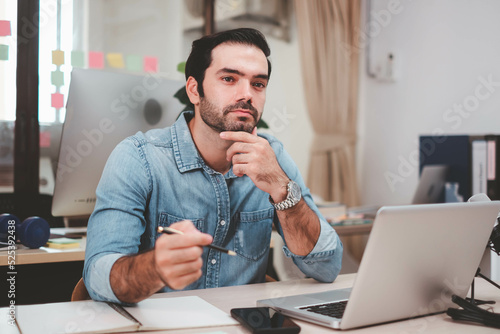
{"points": [[430, 187], [416, 257]]}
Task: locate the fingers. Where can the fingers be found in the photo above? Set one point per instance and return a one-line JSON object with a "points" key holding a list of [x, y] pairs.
{"points": [[192, 236], [178, 276], [240, 136], [177, 267], [238, 148], [180, 282], [178, 257], [243, 142]]}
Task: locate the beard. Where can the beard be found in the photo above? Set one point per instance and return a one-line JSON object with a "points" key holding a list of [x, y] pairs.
{"points": [[220, 122]]}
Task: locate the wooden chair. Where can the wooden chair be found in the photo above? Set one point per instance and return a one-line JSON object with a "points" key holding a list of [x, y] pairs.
{"points": [[270, 279], [80, 292]]}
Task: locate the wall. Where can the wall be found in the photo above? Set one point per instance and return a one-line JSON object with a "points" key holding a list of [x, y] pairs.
{"points": [[145, 28], [449, 82], [446, 51]]}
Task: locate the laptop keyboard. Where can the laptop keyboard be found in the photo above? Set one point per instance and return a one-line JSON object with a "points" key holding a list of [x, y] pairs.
{"points": [[334, 310]]}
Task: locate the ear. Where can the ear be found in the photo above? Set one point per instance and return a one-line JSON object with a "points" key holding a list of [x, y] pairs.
{"points": [[192, 90]]}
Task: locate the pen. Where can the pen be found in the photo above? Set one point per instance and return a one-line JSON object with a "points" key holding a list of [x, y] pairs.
{"points": [[169, 230]]}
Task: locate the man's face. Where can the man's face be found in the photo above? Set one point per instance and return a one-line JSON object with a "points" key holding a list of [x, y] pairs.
{"points": [[235, 88]]}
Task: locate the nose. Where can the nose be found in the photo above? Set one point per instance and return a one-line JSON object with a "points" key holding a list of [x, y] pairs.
{"points": [[244, 91]]}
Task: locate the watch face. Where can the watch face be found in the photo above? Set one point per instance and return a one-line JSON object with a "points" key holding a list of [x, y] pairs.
{"points": [[295, 191]]}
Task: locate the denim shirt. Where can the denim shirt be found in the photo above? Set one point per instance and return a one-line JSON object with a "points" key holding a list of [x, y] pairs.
{"points": [[158, 178]]}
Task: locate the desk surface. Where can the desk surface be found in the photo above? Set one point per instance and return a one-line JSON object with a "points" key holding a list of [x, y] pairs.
{"points": [[353, 229], [47, 255], [246, 296]]}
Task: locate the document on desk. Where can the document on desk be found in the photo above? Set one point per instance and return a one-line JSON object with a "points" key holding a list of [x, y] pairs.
{"points": [[98, 317]]}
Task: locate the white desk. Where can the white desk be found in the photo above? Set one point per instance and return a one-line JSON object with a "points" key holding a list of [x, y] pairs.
{"points": [[246, 296], [26, 255]]}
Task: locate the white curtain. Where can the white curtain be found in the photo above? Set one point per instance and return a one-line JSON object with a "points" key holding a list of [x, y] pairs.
{"points": [[328, 33]]}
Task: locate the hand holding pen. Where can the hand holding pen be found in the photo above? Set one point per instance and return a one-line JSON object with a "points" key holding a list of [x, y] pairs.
{"points": [[169, 230], [178, 256], [178, 260]]}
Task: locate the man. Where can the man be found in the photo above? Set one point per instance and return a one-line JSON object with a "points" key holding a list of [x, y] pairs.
{"points": [[213, 178]]}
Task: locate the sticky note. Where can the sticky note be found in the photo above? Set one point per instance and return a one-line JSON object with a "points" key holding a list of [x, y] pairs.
{"points": [[4, 28], [134, 63], [4, 52], [58, 57], [57, 78], [151, 64], [96, 60], [77, 59], [44, 139], [62, 243], [115, 60], [57, 100]]}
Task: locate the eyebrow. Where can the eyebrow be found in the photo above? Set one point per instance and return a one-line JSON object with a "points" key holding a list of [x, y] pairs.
{"points": [[233, 71]]}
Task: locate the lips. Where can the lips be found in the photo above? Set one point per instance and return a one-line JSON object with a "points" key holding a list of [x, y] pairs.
{"points": [[243, 111]]}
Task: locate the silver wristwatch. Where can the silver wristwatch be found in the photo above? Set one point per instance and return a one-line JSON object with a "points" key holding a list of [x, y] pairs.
{"points": [[293, 197]]}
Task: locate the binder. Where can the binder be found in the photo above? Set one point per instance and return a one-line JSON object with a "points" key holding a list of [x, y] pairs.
{"points": [[451, 150], [493, 166], [473, 160], [479, 162]]}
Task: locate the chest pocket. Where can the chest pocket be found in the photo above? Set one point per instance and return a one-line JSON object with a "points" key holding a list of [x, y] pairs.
{"points": [[253, 233], [167, 219]]}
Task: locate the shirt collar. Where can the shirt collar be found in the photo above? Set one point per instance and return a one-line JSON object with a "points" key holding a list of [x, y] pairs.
{"points": [[186, 154]]}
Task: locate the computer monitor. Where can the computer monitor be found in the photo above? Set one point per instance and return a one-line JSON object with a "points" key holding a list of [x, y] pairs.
{"points": [[104, 108]]}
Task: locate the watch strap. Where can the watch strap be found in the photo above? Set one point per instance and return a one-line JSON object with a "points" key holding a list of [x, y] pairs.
{"points": [[288, 202]]}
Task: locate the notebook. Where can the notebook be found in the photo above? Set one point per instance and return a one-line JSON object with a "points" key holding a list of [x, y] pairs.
{"points": [[416, 257], [98, 317]]}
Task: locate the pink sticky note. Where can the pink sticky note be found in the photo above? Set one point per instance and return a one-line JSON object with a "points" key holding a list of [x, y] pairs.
{"points": [[96, 60], [4, 28], [57, 100], [151, 64], [44, 139]]}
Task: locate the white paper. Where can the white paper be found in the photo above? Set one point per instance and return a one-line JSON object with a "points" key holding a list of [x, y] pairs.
{"points": [[179, 312], [71, 317]]}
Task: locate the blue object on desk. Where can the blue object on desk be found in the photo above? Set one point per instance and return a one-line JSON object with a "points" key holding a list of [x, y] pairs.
{"points": [[33, 232]]}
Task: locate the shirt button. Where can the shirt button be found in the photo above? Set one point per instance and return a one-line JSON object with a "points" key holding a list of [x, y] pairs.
{"points": [[214, 261], [222, 222]]}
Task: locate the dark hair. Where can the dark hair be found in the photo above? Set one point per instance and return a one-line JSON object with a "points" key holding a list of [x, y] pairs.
{"points": [[201, 51]]}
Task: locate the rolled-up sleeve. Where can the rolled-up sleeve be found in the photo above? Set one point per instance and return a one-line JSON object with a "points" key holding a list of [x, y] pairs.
{"points": [[324, 262], [117, 223], [97, 281]]}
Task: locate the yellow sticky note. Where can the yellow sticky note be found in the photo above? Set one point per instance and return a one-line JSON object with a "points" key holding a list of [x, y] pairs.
{"points": [[115, 60], [62, 243], [58, 57]]}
